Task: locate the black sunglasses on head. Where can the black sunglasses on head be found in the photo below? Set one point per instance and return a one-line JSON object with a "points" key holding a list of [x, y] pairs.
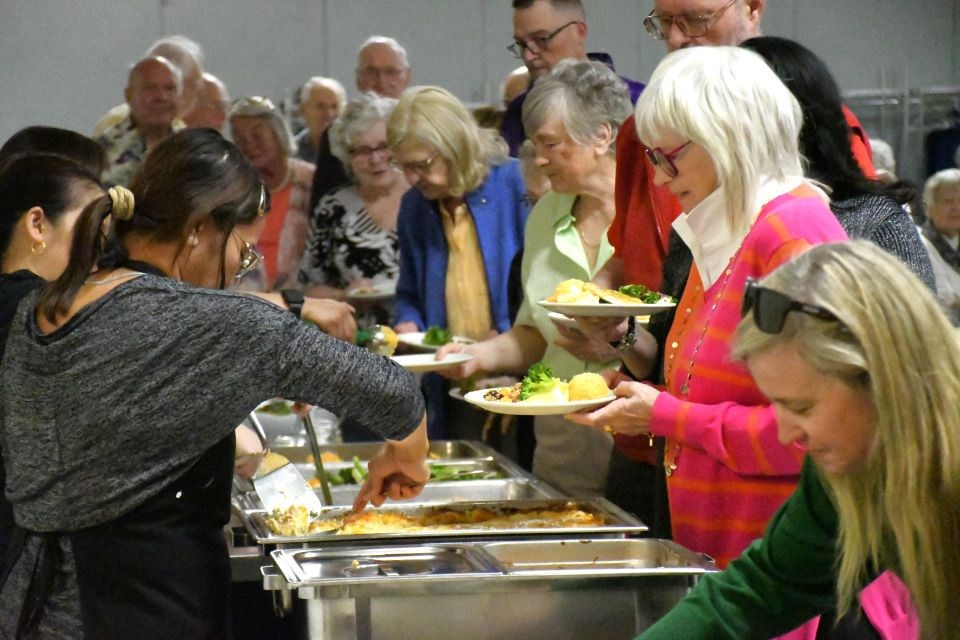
{"points": [[770, 308]]}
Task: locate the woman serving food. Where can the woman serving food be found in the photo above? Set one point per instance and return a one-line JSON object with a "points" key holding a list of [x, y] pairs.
{"points": [[121, 386]]}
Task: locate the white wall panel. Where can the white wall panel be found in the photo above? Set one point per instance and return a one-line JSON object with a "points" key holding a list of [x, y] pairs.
{"points": [[64, 61]]}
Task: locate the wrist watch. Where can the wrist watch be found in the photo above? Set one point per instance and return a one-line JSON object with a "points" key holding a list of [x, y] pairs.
{"points": [[629, 337], [293, 298]]}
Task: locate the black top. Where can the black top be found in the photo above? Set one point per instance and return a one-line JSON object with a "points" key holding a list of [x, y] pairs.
{"points": [[329, 175], [13, 287]]}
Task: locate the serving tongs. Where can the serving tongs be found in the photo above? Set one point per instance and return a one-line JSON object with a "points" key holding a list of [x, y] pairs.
{"points": [[317, 460]]}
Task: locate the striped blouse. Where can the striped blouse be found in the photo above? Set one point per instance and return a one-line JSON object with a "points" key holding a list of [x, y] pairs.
{"points": [[728, 471]]}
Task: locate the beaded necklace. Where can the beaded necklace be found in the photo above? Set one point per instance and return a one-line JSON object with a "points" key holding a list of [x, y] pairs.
{"points": [[670, 464]]}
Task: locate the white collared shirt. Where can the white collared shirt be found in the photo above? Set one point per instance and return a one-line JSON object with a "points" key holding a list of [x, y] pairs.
{"points": [[708, 231]]}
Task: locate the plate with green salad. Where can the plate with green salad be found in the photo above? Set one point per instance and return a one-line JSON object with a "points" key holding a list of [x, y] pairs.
{"points": [[431, 339]]}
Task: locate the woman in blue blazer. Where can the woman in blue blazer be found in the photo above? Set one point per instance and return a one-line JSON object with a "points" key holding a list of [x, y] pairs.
{"points": [[459, 227]]}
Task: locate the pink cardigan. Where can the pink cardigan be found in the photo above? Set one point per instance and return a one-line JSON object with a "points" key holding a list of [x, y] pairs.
{"points": [[731, 472]]}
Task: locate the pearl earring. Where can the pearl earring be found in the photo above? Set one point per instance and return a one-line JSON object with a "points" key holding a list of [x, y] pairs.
{"points": [[192, 240]]}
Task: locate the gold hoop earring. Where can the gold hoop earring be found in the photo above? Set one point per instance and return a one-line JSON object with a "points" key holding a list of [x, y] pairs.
{"points": [[43, 247]]}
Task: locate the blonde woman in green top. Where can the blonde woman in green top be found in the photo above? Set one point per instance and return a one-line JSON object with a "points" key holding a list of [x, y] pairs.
{"points": [[863, 369]]}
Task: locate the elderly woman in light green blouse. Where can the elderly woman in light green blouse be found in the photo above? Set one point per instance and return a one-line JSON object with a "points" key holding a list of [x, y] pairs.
{"points": [[572, 116]]}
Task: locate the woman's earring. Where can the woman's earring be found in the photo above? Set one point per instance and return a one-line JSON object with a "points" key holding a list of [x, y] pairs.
{"points": [[38, 252], [193, 240]]}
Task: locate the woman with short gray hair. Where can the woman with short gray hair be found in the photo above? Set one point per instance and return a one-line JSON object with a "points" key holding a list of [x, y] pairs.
{"points": [[572, 117], [941, 236], [353, 231]]}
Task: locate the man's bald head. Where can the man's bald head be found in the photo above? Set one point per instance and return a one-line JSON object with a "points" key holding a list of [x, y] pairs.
{"points": [[187, 56], [153, 92], [213, 101], [382, 67]]}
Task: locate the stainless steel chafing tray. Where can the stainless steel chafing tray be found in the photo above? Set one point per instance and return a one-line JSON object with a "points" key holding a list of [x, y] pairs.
{"points": [[439, 450], [617, 522], [437, 492], [570, 587]]}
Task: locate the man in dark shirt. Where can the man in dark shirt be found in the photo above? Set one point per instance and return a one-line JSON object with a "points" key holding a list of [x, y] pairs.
{"points": [[544, 33]]}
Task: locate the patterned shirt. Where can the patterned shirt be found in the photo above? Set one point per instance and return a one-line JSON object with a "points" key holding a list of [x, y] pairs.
{"points": [[126, 148]]}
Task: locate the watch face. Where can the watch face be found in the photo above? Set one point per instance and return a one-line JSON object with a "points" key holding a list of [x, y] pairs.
{"points": [[292, 296]]}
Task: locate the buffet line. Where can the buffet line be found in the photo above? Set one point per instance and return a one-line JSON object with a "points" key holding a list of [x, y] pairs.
{"points": [[485, 551]]}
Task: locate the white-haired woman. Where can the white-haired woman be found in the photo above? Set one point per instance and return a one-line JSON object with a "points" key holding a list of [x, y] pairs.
{"points": [[321, 102], [263, 135], [459, 227], [353, 232], [940, 234], [722, 132], [868, 387], [573, 116]]}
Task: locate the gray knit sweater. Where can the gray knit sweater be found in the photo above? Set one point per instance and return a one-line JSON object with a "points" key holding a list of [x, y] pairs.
{"points": [[881, 220], [103, 413]]}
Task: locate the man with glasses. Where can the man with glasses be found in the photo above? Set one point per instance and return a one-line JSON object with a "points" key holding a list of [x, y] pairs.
{"points": [[382, 67], [544, 33]]}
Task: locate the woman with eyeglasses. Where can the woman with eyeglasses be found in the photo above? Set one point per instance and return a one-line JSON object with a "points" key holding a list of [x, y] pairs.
{"points": [[353, 233], [262, 134], [121, 386], [459, 227], [866, 386], [722, 134], [572, 115]]}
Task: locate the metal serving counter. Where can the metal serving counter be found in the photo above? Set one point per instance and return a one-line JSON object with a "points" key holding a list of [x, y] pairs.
{"points": [[595, 581], [532, 589]]}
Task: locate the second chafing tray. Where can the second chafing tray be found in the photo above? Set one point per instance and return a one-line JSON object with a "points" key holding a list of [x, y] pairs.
{"points": [[616, 522]]}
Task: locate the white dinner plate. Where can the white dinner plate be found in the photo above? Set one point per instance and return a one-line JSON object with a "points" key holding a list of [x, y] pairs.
{"points": [[380, 291], [415, 339], [567, 321], [533, 408], [605, 309], [428, 361]]}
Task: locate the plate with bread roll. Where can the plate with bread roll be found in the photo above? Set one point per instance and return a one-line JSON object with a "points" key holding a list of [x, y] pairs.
{"points": [[539, 393], [578, 298]]}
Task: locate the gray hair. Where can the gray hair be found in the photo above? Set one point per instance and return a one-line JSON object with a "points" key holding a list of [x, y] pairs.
{"points": [[944, 178], [260, 107], [586, 95], [357, 116], [138, 66], [728, 101], [327, 83], [390, 42]]}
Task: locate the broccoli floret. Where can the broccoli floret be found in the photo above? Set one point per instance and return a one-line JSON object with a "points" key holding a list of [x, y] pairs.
{"points": [[437, 336]]}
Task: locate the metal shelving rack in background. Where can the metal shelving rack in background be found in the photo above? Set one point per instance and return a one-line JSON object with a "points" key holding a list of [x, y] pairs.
{"points": [[904, 118]]}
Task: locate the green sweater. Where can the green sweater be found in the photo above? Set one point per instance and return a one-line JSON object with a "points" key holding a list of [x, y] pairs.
{"points": [[779, 582]]}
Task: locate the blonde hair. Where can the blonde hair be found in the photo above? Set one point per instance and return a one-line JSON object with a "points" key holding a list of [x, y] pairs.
{"points": [[902, 509], [730, 102], [434, 116]]}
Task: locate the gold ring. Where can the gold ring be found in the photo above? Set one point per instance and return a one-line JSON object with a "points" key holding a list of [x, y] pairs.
{"points": [[608, 429]]}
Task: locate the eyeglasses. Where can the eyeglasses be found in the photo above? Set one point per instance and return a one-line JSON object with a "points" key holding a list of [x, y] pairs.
{"points": [[770, 308], [372, 73], [536, 44], [663, 160], [690, 25], [249, 258], [367, 152], [419, 167]]}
